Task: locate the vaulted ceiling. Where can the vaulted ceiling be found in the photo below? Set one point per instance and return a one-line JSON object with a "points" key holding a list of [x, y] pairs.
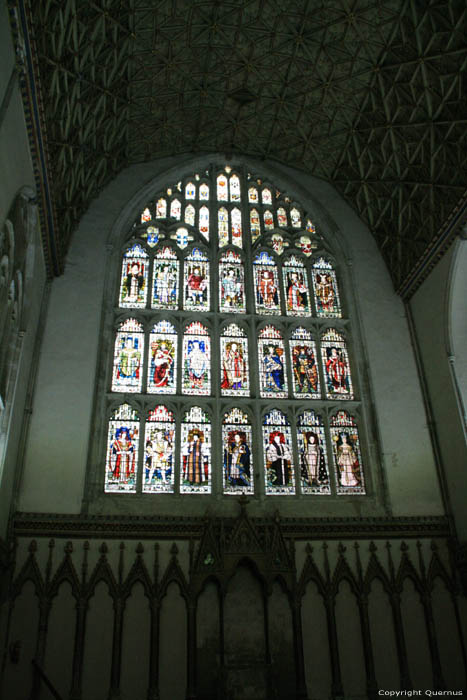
{"points": [[367, 94]]}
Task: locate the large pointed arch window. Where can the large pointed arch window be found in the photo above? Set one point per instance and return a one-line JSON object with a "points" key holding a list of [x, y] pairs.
{"points": [[231, 346]]}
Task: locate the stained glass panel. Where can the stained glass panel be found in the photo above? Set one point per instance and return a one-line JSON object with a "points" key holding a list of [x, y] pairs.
{"points": [[162, 363], [325, 287], [306, 245], [161, 208], [146, 216], [236, 219], [159, 444], [152, 236], [195, 468], [234, 362], [295, 218], [281, 217], [196, 360], [266, 284], [196, 281], [346, 453], [190, 191], [128, 354], [175, 209], [266, 196], [271, 360], [204, 192], [255, 226], [190, 215], [278, 454], [122, 451], [204, 222], [295, 287], [278, 243], [253, 195], [182, 237], [165, 280], [314, 474], [231, 283], [222, 189], [336, 366], [234, 188], [134, 280], [268, 220], [223, 226], [304, 365], [238, 454]]}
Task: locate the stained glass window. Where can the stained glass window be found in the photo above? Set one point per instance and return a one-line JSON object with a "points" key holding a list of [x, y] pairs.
{"points": [[196, 281], [195, 468], [313, 460], [204, 222], [234, 362], [196, 360], [238, 452], [204, 191], [122, 450], [278, 454], [306, 245], [223, 226], [152, 236], [266, 284], [281, 217], [222, 187], [295, 287], [146, 216], [128, 357], [161, 208], [336, 366], [175, 209], [266, 196], [231, 283], [346, 453], [253, 195], [268, 220], [165, 279], [278, 243], [190, 215], [159, 446], [325, 287], [305, 372], [295, 218], [255, 226], [162, 363], [182, 237], [271, 360], [190, 191], [236, 219], [234, 188], [134, 280]]}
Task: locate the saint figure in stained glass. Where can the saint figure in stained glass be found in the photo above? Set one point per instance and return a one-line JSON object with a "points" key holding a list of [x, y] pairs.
{"points": [[266, 285], [196, 360], [129, 347], [133, 287], [158, 475], [296, 287], [336, 365], [278, 455], [238, 459], [325, 287], [312, 451], [122, 450], [165, 280], [347, 458], [231, 283], [304, 365], [197, 281], [162, 359], [196, 452], [234, 362], [273, 381]]}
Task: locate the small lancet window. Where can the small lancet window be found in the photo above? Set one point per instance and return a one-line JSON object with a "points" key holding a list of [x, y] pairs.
{"points": [[128, 357], [295, 287], [161, 208], [346, 453], [222, 189], [295, 218], [266, 284], [266, 196], [255, 226], [196, 281], [278, 454], [121, 468], [314, 472], [325, 288], [190, 191], [271, 361], [162, 361], [231, 283], [195, 468], [190, 215], [204, 192], [336, 366], [282, 217], [196, 360], [146, 216], [159, 446], [238, 453], [234, 188], [236, 224], [304, 363], [223, 226], [134, 279], [234, 362], [165, 280], [253, 195], [204, 222], [175, 209], [268, 220]]}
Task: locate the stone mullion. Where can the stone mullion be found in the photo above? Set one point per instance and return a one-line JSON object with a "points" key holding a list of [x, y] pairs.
{"points": [[191, 650], [44, 610], [301, 689], [371, 683], [400, 641], [115, 671], [329, 603], [438, 679], [153, 689], [78, 650]]}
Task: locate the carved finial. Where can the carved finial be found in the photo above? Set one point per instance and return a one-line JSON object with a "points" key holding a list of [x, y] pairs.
{"points": [[103, 549], [174, 550], [341, 548], [68, 549], [139, 549], [404, 547], [372, 547]]}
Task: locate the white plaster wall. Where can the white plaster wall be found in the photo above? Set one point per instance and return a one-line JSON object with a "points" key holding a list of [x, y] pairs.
{"points": [[64, 395], [435, 318]]}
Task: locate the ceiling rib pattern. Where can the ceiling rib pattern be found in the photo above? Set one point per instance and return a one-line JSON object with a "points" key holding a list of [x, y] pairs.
{"points": [[367, 94]]}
